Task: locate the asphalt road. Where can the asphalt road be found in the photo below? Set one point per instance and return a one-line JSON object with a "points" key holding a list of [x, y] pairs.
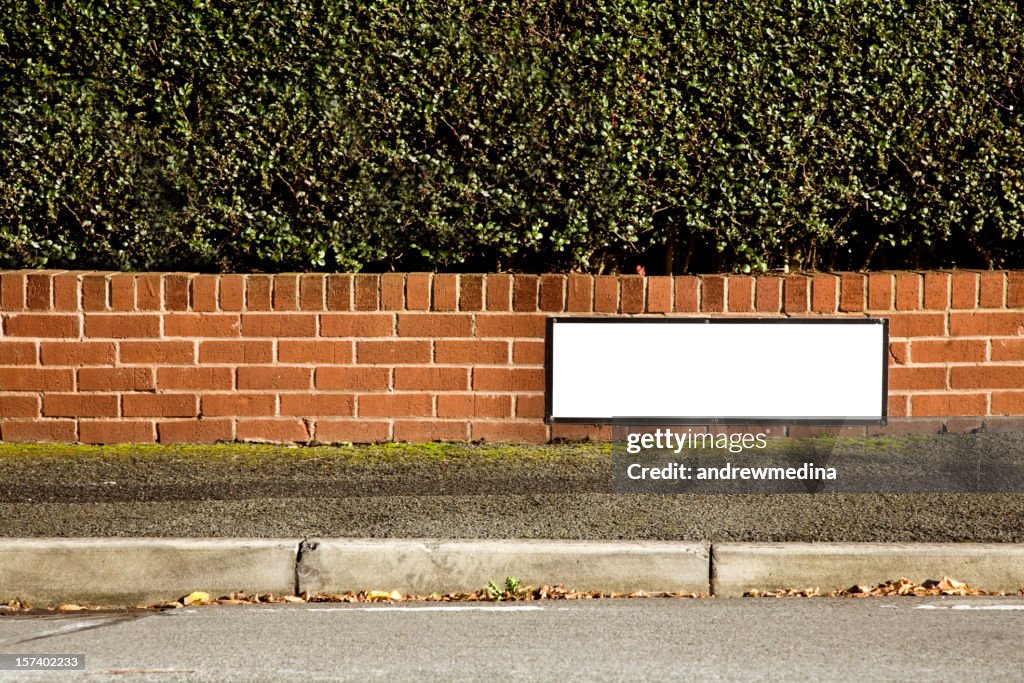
{"points": [[919, 639]]}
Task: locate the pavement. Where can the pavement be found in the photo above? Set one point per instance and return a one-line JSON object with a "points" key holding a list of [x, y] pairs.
{"points": [[920, 639], [133, 525]]}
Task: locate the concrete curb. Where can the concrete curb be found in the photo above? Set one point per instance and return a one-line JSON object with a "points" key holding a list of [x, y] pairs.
{"points": [[740, 567], [135, 571], [421, 567], [138, 571]]}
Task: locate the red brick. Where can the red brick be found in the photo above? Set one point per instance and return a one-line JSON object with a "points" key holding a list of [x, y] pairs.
{"points": [[204, 293], [1007, 349], [525, 289], [230, 405], [948, 351], [286, 292], [274, 431], [232, 293], [12, 291], [582, 432], [580, 293], [987, 324], [116, 431], [936, 291], [160, 405], [824, 293], [508, 379], [471, 292], [354, 431], [176, 286], [528, 353], [115, 379], [65, 292], [1008, 403], [391, 352], [18, 352], [417, 292], [128, 326], [366, 288], [278, 325], [357, 325], [339, 292], [917, 324], [432, 378], [852, 286], [512, 432], [631, 294], [474, 405], [880, 289], [204, 325], [395, 405], [94, 293], [898, 353], [319, 352], [258, 289], [908, 291], [236, 351], [931, 405], [212, 379], [522, 326], [309, 405], [274, 377], [471, 352], [445, 292], [499, 292], [435, 325], [993, 290], [36, 379], [418, 431], [659, 294], [687, 294], [158, 352], [606, 294], [39, 291], [741, 294], [122, 292], [392, 291], [797, 290], [194, 431], [19, 405], [353, 379], [713, 293], [552, 293], [78, 353], [910, 378], [769, 294], [964, 290], [987, 376], [149, 292], [1015, 289], [898, 406], [311, 292], [42, 325], [530, 406], [38, 430]]}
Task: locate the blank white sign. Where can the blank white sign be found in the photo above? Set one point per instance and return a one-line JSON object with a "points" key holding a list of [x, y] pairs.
{"points": [[743, 370]]}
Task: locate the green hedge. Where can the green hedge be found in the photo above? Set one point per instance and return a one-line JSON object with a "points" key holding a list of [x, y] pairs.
{"points": [[483, 135]]}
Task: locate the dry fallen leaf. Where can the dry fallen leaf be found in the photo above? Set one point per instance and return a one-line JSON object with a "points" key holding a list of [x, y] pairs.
{"points": [[196, 598]]}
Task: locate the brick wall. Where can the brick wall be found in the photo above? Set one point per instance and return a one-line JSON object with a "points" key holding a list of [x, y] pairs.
{"points": [[173, 357]]}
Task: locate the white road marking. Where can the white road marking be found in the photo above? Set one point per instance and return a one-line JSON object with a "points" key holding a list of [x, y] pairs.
{"points": [[431, 608], [995, 608]]}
